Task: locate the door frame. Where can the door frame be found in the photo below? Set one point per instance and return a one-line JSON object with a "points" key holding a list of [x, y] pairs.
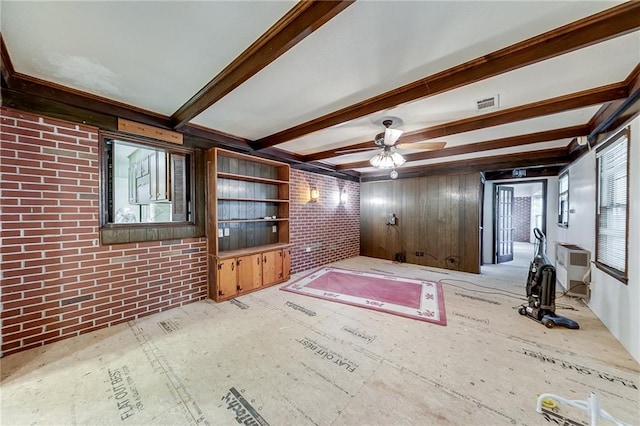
{"points": [[499, 225], [496, 183]]}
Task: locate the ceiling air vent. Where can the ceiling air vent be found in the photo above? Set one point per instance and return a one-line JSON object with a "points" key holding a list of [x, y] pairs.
{"points": [[488, 103]]}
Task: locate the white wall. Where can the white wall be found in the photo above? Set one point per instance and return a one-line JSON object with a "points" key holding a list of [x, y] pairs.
{"points": [[616, 304]]}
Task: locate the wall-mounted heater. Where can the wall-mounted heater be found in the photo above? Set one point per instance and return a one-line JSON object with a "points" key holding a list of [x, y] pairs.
{"points": [[572, 268]]}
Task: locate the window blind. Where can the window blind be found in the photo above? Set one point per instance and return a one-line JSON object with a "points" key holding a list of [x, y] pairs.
{"points": [[611, 248]]}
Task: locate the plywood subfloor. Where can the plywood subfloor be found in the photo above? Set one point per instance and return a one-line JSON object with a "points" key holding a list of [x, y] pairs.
{"points": [[278, 358]]}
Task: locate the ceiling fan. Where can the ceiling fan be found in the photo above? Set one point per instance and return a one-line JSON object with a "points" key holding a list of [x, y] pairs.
{"points": [[388, 142]]}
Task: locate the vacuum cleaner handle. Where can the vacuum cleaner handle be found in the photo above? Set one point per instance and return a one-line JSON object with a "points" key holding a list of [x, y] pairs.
{"points": [[542, 242]]}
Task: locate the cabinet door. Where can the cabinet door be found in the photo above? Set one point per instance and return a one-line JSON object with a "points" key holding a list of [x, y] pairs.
{"points": [[286, 264], [226, 279], [153, 177], [269, 261], [249, 272], [162, 177], [133, 194], [279, 261]]}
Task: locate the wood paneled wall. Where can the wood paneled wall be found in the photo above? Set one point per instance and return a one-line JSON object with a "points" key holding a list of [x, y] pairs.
{"points": [[438, 221]]}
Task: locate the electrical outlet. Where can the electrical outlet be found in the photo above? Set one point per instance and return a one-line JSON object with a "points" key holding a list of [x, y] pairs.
{"points": [[220, 232], [274, 228], [307, 249], [226, 232]]}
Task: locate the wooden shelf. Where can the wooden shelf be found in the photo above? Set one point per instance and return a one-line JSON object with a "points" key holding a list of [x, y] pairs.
{"points": [[280, 219], [246, 178], [260, 200], [253, 252]]}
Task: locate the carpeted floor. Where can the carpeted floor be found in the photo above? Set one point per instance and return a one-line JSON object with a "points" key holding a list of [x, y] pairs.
{"points": [[279, 358]]}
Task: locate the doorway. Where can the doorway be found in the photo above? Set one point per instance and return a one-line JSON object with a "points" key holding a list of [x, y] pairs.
{"points": [[517, 208]]}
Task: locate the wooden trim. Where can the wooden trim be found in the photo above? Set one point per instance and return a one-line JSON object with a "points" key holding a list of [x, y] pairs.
{"points": [[555, 105], [149, 131], [218, 137], [613, 22], [6, 66], [251, 250], [75, 98], [303, 19], [549, 135], [533, 172]]}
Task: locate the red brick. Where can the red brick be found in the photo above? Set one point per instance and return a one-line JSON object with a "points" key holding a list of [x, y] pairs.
{"points": [[22, 334], [40, 322], [42, 337], [109, 319], [62, 324], [39, 308]]}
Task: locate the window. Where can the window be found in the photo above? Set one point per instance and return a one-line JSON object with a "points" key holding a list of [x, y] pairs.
{"points": [[612, 204], [147, 189], [563, 199]]}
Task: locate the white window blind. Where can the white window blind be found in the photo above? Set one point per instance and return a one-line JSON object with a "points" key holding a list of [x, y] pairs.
{"points": [[611, 245], [563, 199]]}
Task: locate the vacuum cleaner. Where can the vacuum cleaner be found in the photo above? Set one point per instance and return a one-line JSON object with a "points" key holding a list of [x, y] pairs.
{"points": [[541, 288]]}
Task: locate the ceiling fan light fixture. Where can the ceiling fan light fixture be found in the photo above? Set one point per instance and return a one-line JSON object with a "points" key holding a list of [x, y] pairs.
{"points": [[387, 160], [391, 136]]}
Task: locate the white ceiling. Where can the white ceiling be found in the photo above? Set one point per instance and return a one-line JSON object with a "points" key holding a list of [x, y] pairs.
{"points": [[157, 55]]}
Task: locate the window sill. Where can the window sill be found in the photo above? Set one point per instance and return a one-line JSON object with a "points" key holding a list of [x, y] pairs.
{"points": [[612, 272], [123, 234]]}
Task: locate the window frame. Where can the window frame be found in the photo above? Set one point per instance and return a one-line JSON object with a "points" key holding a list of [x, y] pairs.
{"points": [[564, 224], [619, 275], [121, 233]]}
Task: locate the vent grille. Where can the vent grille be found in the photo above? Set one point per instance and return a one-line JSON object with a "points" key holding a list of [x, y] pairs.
{"points": [[488, 103]]}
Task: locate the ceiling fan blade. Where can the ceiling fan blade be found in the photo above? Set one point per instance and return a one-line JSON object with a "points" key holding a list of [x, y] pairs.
{"points": [[351, 151], [422, 145]]}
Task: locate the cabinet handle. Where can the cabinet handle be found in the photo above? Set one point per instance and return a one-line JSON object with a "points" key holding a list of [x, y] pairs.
{"points": [[233, 264], [264, 260], [258, 260], [238, 261]]}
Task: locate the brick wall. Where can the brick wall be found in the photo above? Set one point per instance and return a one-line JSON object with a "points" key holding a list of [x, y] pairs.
{"points": [[324, 231], [522, 218], [57, 281]]}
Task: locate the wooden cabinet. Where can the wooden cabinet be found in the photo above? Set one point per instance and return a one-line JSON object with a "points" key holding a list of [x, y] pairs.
{"points": [[237, 275], [248, 221], [148, 176]]}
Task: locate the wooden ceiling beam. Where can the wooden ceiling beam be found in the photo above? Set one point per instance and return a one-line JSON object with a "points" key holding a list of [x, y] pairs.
{"points": [[551, 106], [611, 23], [303, 19], [531, 138], [598, 95], [547, 157]]}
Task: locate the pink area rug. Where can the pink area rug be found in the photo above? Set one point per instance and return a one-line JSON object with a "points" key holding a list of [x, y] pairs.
{"points": [[411, 298]]}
